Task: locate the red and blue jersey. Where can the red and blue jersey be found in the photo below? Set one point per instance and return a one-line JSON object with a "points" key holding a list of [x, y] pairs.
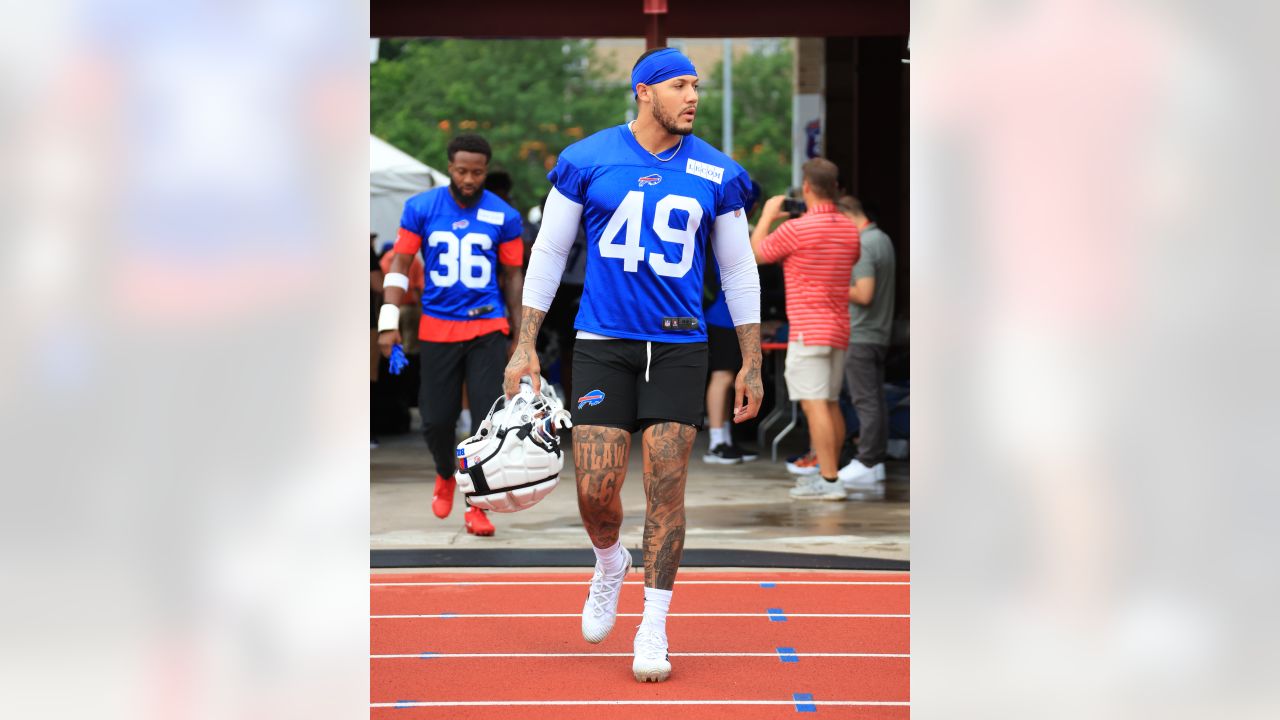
{"points": [[461, 250], [647, 224]]}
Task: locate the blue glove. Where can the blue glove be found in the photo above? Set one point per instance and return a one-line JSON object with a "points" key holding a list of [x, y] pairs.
{"points": [[398, 361]]}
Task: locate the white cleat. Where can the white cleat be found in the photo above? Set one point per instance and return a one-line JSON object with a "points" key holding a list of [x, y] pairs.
{"points": [[651, 663], [601, 608]]}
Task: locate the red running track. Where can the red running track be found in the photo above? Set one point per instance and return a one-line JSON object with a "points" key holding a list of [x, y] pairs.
{"points": [[844, 640]]}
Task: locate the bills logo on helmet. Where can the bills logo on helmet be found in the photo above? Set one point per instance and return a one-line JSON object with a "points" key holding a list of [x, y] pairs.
{"points": [[595, 397], [462, 459], [461, 224], [653, 179]]}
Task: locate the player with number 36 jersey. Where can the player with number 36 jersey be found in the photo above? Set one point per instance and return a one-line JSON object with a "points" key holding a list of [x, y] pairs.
{"points": [[470, 240]]}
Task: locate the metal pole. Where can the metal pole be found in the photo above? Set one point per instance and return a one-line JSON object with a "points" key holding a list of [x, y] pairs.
{"points": [[728, 97], [654, 35]]}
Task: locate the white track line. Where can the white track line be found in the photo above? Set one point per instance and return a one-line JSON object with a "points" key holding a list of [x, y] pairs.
{"points": [[775, 655], [452, 616], [507, 703], [636, 582]]}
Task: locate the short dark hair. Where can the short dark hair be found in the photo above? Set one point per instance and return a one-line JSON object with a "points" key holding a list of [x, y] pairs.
{"points": [[498, 181], [823, 177], [470, 142], [850, 204], [646, 54]]}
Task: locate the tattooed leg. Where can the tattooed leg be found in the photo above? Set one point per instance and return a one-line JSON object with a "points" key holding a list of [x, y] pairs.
{"points": [[666, 465], [600, 461]]}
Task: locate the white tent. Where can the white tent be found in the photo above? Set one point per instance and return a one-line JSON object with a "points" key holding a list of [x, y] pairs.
{"points": [[394, 176]]}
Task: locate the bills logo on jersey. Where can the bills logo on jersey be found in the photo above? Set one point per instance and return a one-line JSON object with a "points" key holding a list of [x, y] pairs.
{"points": [[595, 397], [461, 224], [653, 179]]}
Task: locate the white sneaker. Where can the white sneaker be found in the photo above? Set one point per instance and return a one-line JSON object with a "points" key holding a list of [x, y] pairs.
{"points": [[813, 487], [651, 663], [857, 475], [601, 608]]}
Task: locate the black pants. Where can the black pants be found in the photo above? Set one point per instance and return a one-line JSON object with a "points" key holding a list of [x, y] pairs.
{"points": [[445, 366]]}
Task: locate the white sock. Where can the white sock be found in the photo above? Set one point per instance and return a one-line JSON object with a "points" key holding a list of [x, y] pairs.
{"points": [[610, 558], [719, 436], [727, 429], [656, 604]]}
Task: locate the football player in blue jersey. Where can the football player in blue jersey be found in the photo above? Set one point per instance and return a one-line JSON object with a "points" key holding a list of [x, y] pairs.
{"points": [[650, 195], [470, 238]]}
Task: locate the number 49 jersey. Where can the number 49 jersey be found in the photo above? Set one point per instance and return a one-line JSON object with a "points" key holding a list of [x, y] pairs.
{"points": [[647, 224], [461, 248]]}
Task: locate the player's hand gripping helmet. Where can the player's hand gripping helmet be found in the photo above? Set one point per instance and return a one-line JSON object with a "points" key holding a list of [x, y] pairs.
{"points": [[515, 459]]}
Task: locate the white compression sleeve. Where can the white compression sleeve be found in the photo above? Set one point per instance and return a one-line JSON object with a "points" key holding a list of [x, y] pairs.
{"points": [[560, 218], [739, 275]]}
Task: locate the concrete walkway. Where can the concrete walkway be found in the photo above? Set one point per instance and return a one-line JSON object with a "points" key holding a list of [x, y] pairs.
{"points": [[728, 506]]}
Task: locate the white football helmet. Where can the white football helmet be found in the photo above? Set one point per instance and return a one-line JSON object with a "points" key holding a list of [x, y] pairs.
{"points": [[515, 459]]}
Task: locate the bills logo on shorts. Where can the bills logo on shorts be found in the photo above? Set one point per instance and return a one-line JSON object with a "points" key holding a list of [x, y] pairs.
{"points": [[461, 224], [595, 397], [653, 179]]}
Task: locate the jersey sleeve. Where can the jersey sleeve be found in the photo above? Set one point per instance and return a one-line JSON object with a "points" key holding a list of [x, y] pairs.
{"points": [[409, 241], [511, 252], [779, 243], [568, 179], [511, 228], [735, 194]]}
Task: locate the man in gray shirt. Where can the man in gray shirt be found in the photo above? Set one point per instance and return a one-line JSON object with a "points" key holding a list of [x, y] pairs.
{"points": [[871, 290]]}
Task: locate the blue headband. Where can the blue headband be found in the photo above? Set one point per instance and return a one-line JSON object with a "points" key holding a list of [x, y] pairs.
{"points": [[661, 66]]}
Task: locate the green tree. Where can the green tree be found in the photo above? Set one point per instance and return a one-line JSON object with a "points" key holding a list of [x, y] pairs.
{"points": [[529, 98], [762, 89]]}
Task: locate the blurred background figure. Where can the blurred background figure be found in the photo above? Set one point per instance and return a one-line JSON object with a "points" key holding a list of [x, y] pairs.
{"points": [[724, 359], [818, 251], [871, 289], [375, 300]]}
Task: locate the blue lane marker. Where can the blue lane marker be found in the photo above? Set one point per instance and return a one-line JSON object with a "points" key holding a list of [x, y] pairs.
{"points": [[402, 704], [788, 655], [804, 702], [775, 615], [428, 654], [768, 584]]}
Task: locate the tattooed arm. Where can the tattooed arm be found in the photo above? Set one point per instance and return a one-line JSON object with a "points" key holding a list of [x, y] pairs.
{"points": [[524, 361], [748, 389]]}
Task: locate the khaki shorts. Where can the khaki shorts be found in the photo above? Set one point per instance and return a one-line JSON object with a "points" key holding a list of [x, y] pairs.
{"points": [[814, 372]]}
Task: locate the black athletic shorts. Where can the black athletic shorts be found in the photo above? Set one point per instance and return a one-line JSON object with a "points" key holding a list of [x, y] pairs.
{"points": [[631, 384], [723, 351]]}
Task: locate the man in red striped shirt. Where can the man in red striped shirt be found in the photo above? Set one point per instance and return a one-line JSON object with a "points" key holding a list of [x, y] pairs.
{"points": [[818, 251]]}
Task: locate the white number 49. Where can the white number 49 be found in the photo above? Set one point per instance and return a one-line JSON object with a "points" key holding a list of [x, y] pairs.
{"points": [[630, 214]]}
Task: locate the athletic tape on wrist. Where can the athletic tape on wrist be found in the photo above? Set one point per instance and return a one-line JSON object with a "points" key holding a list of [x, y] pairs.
{"points": [[399, 280], [389, 318]]}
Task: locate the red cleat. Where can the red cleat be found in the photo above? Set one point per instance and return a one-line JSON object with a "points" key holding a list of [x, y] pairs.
{"points": [[476, 522], [442, 500]]}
